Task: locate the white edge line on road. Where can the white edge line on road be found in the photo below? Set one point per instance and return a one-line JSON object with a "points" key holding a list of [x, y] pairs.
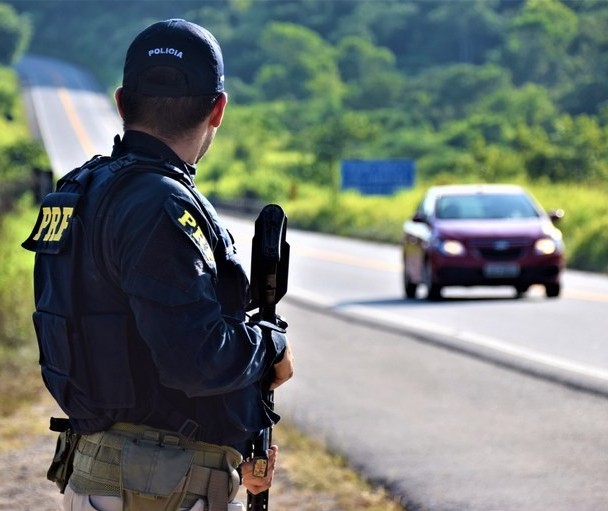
{"points": [[461, 336]]}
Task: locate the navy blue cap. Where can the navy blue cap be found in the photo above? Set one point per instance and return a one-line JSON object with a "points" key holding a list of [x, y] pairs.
{"points": [[179, 44]]}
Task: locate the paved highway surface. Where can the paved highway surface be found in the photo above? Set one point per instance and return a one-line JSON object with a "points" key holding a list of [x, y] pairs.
{"points": [[68, 110], [480, 402]]}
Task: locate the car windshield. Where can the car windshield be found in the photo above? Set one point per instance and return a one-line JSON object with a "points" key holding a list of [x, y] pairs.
{"points": [[485, 206]]}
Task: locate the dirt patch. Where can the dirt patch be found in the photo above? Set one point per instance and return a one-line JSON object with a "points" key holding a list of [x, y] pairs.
{"points": [[23, 485]]}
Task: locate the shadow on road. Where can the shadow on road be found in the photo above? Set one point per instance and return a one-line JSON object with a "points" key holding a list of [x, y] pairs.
{"points": [[423, 303]]}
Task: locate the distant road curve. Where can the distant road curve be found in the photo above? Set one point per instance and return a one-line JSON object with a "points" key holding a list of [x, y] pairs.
{"points": [[59, 100]]}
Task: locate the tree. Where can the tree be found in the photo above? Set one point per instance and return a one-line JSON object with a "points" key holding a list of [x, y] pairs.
{"points": [[538, 41], [15, 32], [450, 92], [586, 91], [577, 152], [464, 32], [370, 74], [299, 65], [530, 105], [342, 135]]}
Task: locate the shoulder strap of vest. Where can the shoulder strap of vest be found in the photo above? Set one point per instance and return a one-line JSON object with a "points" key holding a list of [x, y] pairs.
{"points": [[78, 179], [130, 165]]}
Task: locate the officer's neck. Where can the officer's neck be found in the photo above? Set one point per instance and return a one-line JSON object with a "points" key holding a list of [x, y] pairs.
{"points": [[187, 147]]}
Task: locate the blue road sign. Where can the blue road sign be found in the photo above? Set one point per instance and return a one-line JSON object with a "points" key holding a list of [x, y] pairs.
{"points": [[377, 177]]}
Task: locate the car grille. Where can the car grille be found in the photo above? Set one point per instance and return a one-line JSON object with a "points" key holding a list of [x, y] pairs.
{"points": [[500, 249]]}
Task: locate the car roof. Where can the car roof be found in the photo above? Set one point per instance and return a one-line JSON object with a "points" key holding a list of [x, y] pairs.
{"points": [[474, 188]]}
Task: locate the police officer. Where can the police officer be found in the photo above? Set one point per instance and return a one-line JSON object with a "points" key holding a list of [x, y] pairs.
{"points": [[140, 300]]}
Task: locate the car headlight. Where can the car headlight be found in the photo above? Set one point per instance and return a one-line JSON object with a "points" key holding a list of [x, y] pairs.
{"points": [[546, 246], [450, 247]]}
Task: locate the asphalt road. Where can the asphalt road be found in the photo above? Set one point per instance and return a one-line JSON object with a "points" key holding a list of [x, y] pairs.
{"points": [[68, 110], [442, 430], [464, 405]]}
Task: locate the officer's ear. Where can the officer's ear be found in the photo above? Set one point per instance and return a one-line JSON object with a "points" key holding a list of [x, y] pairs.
{"points": [[217, 113], [118, 99]]}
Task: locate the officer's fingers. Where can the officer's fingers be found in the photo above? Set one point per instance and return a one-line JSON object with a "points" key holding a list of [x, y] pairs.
{"points": [[273, 456], [256, 484], [283, 370], [255, 487], [253, 484]]}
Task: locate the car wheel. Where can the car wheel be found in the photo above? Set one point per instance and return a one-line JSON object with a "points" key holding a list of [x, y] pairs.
{"points": [[552, 289], [521, 289], [433, 290], [409, 287]]}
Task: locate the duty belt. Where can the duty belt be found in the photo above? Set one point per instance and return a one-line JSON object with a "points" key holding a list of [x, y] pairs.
{"points": [[97, 463]]}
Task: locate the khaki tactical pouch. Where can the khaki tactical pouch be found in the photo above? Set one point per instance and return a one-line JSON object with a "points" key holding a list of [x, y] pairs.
{"points": [[63, 461], [154, 477]]}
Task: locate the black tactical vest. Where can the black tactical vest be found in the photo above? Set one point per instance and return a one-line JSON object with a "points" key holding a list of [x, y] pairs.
{"points": [[92, 358]]}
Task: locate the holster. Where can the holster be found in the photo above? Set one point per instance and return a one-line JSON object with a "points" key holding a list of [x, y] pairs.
{"points": [[63, 461]]}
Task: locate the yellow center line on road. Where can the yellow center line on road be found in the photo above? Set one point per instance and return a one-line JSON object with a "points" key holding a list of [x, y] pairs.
{"points": [[70, 110], [590, 296], [335, 257]]}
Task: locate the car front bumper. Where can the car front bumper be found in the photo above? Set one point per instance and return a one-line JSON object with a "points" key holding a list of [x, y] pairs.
{"points": [[467, 276]]}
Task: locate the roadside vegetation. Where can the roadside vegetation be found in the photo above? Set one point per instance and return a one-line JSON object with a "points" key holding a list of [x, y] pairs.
{"points": [[19, 154]]}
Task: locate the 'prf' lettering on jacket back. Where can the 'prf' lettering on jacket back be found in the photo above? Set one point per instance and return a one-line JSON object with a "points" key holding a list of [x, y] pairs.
{"points": [[55, 220]]}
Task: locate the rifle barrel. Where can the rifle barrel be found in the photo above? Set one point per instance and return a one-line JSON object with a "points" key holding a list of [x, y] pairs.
{"points": [[269, 270]]}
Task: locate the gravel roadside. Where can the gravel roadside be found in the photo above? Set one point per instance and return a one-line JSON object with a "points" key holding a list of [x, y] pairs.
{"points": [[23, 485]]}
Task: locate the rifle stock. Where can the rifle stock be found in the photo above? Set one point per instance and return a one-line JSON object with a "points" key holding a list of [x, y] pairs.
{"points": [[269, 271]]}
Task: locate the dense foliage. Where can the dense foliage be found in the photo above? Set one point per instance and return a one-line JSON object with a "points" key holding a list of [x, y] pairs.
{"points": [[493, 89], [18, 153], [15, 32], [18, 156]]}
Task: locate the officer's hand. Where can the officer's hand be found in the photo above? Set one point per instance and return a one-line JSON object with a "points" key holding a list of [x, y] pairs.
{"points": [[255, 484], [283, 370]]}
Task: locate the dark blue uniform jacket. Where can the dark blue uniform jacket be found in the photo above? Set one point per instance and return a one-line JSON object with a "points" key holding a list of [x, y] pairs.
{"points": [[140, 302]]}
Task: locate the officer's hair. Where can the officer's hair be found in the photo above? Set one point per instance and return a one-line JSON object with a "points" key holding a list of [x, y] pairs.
{"points": [[169, 117]]}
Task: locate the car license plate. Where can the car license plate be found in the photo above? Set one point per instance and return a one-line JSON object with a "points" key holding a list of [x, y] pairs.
{"points": [[501, 270]]}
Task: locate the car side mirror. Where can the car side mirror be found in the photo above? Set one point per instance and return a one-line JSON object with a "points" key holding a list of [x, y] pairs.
{"points": [[556, 215], [419, 218]]}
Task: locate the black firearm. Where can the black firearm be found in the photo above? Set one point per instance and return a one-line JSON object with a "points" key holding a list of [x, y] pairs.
{"points": [[269, 270]]}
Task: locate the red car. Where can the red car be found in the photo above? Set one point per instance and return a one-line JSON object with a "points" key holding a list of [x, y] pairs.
{"points": [[481, 235]]}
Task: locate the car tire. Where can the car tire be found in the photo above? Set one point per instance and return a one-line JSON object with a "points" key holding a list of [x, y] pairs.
{"points": [[409, 287], [552, 289], [433, 290], [521, 290]]}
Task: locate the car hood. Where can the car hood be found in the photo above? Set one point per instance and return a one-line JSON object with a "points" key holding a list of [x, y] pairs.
{"points": [[524, 228]]}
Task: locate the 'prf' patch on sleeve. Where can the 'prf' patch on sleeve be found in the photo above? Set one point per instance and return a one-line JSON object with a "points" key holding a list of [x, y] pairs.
{"points": [[54, 223], [182, 216]]}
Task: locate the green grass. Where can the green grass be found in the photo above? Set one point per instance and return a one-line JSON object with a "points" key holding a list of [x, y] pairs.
{"points": [[18, 350], [311, 478]]}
